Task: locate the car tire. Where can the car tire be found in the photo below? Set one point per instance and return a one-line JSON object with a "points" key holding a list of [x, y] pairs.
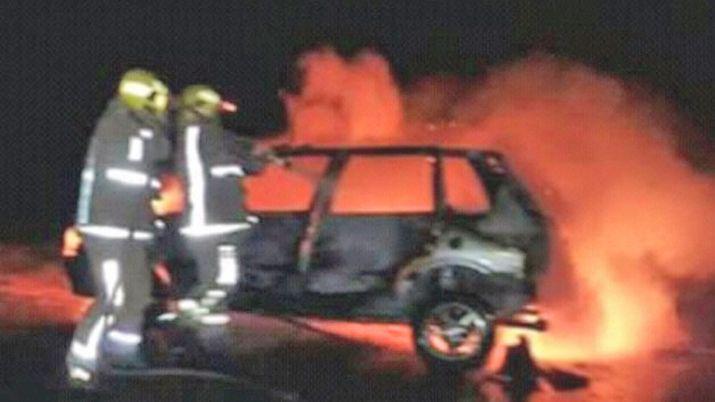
{"points": [[452, 333]]}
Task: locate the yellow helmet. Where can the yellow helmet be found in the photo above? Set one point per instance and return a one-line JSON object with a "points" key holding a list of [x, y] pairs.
{"points": [[205, 101], [202, 100], [142, 90]]}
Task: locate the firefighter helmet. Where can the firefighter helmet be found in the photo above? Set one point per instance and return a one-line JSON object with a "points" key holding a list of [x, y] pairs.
{"points": [[202, 100], [142, 90]]}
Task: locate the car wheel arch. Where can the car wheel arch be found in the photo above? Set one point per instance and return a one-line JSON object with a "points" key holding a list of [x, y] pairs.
{"points": [[429, 278]]}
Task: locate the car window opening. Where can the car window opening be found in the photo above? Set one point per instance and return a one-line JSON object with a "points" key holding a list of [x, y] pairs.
{"points": [[385, 185], [285, 189], [464, 192]]}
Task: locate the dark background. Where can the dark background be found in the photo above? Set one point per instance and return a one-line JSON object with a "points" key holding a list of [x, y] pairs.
{"points": [[59, 64]]}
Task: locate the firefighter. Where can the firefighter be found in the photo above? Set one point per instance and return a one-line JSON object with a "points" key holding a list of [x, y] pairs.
{"points": [[114, 216], [211, 162]]}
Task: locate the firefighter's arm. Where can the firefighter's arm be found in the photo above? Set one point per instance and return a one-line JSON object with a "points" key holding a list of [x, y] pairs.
{"points": [[269, 156], [251, 160]]}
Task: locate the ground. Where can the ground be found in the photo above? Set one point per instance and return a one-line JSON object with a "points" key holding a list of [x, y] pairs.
{"points": [[314, 360]]}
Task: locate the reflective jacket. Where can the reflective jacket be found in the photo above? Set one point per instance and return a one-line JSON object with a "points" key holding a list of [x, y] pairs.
{"points": [[119, 179], [211, 163]]}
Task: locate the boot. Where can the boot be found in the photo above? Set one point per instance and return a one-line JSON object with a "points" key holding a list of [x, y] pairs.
{"points": [[123, 346]]}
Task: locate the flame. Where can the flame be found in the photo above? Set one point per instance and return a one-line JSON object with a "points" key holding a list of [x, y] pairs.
{"points": [[629, 215], [357, 98], [172, 197], [35, 292]]}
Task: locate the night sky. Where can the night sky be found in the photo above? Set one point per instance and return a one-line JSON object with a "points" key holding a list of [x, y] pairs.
{"points": [[60, 64]]}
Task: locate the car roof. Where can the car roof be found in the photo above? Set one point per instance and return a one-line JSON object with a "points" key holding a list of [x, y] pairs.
{"points": [[383, 150]]}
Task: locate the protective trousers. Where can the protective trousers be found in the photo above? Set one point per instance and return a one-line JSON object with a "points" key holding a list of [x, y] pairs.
{"points": [[113, 328], [218, 267]]}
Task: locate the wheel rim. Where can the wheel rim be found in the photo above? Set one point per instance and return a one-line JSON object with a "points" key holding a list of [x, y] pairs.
{"points": [[453, 331]]}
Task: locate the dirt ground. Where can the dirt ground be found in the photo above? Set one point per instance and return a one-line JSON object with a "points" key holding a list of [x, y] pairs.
{"points": [[276, 360]]}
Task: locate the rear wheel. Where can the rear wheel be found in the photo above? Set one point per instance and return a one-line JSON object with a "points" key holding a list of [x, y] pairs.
{"points": [[452, 334]]}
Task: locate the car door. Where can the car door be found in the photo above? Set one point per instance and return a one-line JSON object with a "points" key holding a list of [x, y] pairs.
{"points": [[280, 198], [379, 216]]}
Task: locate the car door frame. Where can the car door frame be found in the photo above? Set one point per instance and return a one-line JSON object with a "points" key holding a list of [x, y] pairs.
{"points": [[323, 197]]}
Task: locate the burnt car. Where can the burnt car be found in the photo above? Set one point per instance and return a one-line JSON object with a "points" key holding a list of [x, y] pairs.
{"points": [[445, 239]]}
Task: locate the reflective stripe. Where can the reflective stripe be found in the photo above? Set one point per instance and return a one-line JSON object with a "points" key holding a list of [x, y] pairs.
{"points": [[114, 232], [228, 265], [118, 299], [128, 338], [88, 351], [146, 133], [227, 170], [109, 232], [212, 230], [197, 215], [252, 219], [167, 317], [216, 319], [80, 374], [136, 149], [187, 304], [209, 302], [200, 310], [130, 177], [85, 195], [216, 293], [88, 174], [141, 235], [110, 276]]}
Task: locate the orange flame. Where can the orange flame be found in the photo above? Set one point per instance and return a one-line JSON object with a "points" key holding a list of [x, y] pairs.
{"points": [[172, 197], [629, 214], [357, 98]]}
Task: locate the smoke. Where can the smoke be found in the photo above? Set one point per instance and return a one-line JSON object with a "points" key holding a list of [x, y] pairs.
{"points": [[344, 97], [631, 217], [631, 214]]}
